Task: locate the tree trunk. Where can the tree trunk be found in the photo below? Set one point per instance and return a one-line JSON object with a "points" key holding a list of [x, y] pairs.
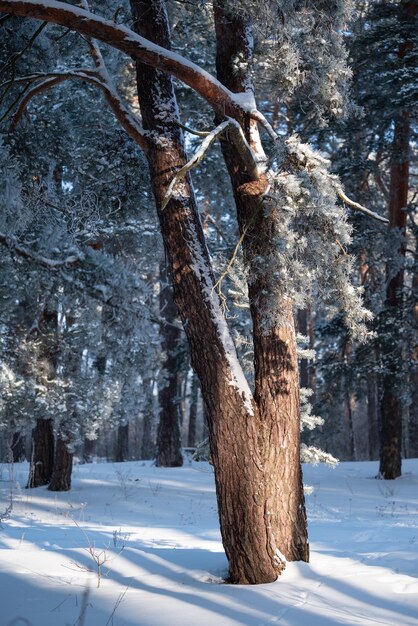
{"points": [[63, 465], [276, 368], [88, 449], [391, 404], [122, 443], [44, 330], [17, 447], [168, 437], [42, 454], [148, 441], [373, 416]]}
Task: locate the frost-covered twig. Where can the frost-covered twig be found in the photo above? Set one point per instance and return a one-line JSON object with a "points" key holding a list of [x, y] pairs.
{"points": [[355, 205], [192, 131], [235, 134], [231, 261]]}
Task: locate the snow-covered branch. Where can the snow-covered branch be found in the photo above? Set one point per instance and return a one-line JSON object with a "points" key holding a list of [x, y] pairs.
{"points": [[358, 207], [122, 38]]}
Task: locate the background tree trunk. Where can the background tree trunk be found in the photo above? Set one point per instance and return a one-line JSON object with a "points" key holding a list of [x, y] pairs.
{"points": [[391, 405], [63, 465], [42, 454], [168, 436], [17, 447]]}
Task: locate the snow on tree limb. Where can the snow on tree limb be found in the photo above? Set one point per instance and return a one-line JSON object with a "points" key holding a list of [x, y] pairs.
{"points": [[137, 47], [26, 253], [355, 205]]}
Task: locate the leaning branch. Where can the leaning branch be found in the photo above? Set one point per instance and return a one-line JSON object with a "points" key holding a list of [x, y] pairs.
{"points": [[359, 207]]}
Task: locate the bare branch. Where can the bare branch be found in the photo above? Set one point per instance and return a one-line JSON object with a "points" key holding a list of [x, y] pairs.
{"points": [[192, 131], [236, 135], [124, 116]]}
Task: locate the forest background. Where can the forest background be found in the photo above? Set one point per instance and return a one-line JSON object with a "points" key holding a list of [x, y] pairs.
{"points": [[94, 362]]}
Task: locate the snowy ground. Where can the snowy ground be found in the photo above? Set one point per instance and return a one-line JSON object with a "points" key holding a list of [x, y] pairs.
{"points": [[157, 531]]}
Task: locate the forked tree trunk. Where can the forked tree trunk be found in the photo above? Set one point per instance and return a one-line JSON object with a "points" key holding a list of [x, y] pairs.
{"points": [[259, 522], [168, 436], [63, 466], [42, 454], [254, 440]]}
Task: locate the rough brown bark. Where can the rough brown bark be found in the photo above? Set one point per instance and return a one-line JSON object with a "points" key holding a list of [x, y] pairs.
{"points": [[42, 454], [168, 436], [63, 465], [276, 369]]}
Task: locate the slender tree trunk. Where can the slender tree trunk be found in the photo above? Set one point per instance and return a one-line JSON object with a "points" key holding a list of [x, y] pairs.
{"points": [[373, 416], [391, 405], [17, 447], [148, 440], [168, 436], [306, 367], [88, 449], [42, 454], [122, 443], [45, 331], [63, 465], [194, 395]]}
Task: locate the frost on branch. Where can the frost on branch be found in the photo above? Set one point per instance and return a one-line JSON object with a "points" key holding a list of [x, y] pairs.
{"points": [[310, 454], [307, 420], [312, 235], [301, 44]]}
